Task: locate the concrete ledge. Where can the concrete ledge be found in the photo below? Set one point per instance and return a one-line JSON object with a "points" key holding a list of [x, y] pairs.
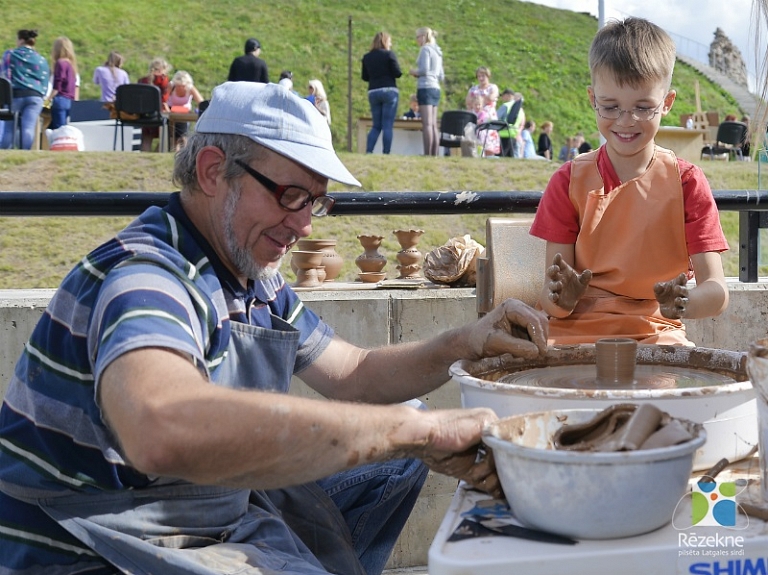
{"points": [[380, 317]]}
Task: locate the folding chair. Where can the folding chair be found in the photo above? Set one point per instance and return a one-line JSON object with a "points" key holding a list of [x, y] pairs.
{"points": [[452, 124], [492, 125], [7, 112], [730, 137], [139, 105]]}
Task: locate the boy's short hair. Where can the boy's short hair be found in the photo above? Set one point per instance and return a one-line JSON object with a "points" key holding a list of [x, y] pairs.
{"points": [[507, 92], [634, 51]]}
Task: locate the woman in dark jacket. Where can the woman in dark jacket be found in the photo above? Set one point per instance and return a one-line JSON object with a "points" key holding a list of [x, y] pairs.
{"points": [[381, 70]]}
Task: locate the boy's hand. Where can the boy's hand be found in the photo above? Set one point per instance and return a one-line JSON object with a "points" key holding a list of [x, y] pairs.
{"points": [[566, 285], [672, 296]]}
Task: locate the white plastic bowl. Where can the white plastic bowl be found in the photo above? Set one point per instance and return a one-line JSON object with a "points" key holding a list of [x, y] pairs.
{"points": [[728, 411], [586, 495]]}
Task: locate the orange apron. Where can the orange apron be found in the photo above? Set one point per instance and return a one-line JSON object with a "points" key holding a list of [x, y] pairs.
{"points": [[631, 238]]}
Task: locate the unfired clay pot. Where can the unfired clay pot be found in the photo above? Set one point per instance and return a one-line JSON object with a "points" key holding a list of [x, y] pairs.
{"points": [[409, 257], [331, 260], [307, 265], [370, 260]]}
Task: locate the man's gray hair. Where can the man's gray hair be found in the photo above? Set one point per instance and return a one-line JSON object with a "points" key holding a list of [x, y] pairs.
{"points": [[234, 147]]}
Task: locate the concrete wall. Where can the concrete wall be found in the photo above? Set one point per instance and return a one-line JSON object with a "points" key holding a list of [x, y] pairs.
{"points": [[380, 317]]}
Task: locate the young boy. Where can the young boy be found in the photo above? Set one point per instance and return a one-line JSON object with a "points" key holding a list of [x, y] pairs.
{"points": [[626, 224]]}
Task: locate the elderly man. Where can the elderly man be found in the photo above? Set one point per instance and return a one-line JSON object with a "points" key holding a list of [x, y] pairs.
{"points": [[249, 67], [146, 428]]}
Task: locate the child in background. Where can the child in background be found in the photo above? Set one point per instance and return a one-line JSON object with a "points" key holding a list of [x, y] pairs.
{"points": [[319, 98], [413, 109], [485, 112], [625, 223], [529, 148], [64, 81], [158, 76], [180, 98], [544, 148], [110, 76]]}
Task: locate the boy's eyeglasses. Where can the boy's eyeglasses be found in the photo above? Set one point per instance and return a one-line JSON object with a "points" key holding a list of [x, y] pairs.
{"points": [[292, 198], [637, 114]]}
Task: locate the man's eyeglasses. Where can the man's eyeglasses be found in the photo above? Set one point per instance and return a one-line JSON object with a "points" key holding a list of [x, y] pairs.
{"points": [[292, 198], [637, 114]]}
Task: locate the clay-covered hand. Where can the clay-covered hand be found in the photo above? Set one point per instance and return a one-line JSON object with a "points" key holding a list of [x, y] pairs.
{"points": [[455, 448], [672, 296], [511, 327], [566, 285]]}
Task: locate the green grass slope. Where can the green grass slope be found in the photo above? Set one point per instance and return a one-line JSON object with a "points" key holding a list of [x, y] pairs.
{"points": [[539, 51]]}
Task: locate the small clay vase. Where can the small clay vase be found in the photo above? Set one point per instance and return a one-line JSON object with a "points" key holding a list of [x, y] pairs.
{"points": [[307, 264], [616, 359], [370, 260], [409, 257], [332, 261]]}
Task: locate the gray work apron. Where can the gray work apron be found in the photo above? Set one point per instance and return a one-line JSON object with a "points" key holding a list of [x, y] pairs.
{"points": [[181, 528]]}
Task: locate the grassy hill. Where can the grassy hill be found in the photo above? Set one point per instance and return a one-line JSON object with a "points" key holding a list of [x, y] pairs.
{"points": [[539, 51]]}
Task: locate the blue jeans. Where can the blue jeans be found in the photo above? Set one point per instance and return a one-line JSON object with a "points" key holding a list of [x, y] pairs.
{"points": [[376, 501], [60, 108], [29, 108], [383, 103]]}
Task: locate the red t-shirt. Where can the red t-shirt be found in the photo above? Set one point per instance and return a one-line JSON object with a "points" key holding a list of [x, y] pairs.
{"points": [[557, 220]]}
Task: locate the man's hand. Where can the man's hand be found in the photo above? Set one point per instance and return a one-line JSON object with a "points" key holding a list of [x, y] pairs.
{"points": [[511, 327], [672, 296], [454, 448], [566, 286]]}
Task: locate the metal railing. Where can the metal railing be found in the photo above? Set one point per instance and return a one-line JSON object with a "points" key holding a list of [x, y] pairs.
{"points": [[752, 206]]}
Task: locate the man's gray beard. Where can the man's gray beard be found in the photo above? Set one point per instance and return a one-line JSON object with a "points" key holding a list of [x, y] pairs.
{"points": [[241, 258]]}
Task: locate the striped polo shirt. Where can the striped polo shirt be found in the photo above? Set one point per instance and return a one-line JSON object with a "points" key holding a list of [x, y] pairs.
{"points": [[158, 283]]}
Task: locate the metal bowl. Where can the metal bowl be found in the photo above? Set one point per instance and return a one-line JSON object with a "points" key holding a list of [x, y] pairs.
{"points": [[586, 495]]}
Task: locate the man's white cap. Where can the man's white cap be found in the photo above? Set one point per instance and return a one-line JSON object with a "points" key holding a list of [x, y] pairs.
{"points": [[274, 117]]}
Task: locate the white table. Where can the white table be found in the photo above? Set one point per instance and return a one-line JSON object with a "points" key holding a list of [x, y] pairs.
{"points": [[406, 137]]}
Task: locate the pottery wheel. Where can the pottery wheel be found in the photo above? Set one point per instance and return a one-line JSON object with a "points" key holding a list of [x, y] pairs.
{"points": [[646, 377]]}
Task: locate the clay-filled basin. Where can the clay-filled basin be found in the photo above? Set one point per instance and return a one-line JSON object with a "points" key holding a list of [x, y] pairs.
{"points": [[586, 494], [711, 387]]}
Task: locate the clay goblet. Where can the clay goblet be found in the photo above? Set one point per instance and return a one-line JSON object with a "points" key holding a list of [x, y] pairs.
{"points": [[307, 264]]}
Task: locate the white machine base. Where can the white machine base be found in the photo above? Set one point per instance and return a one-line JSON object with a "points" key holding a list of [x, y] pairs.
{"points": [[677, 548]]}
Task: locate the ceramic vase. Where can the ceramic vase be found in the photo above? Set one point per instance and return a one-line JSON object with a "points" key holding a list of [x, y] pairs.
{"points": [[409, 256], [331, 260], [370, 260], [308, 265]]}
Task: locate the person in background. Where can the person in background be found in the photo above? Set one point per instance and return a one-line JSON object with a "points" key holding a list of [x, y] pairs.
{"points": [[29, 74], [746, 148], [319, 98], [286, 81], [381, 70], [110, 75], [529, 148], [544, 148], [180, 98], [249, 67], [489, 95], [488, 140], [629, 224], [484, 88], [149, 413], [413, 109], [505, 113], [583, 145], [64, 81], [158, 76], [429, 73]]}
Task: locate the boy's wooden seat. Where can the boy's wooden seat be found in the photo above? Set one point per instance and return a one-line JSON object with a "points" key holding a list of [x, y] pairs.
{"points": [[512, 265]]}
